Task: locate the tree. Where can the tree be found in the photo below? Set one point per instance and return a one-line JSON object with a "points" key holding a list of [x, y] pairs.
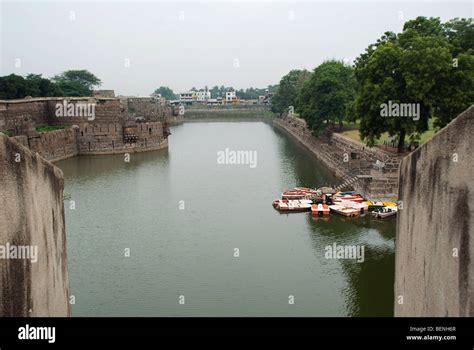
{"points": [[37, 86], [12, 86], [15, 86], [165, 92], [325, 97], [288, 89], [76, 82], [415, 67], [460, 34]]}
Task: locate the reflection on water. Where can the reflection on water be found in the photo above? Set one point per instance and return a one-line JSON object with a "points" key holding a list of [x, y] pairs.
{"points": [[181, 215]]}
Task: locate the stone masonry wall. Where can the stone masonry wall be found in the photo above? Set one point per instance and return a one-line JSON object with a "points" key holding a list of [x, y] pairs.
{"points": [[19, 117], [145, 107], [226, 111], [55, 145], [347, 158], [434, 264], [109, 138], [32, 215], [112, 129]]}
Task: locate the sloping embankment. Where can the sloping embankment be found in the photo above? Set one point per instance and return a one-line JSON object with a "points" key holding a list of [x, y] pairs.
{"points": [[31, 220], [347, 158]]}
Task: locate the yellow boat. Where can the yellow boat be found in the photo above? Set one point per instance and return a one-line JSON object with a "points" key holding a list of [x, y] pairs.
{"points": [[390, 204], [374, 205]]}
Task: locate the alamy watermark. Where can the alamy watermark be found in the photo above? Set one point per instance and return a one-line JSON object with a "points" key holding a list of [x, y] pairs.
{"points": [[395, 109], [228, 156], [79, 109], [37, 333], [354, 252], [13, 252]]}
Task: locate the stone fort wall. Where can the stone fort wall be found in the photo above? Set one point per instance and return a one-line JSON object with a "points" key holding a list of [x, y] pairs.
{"points": [[32, 215], [434, 265], [119, 125]]}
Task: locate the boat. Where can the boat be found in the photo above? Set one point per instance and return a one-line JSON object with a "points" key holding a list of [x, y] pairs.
{"points": [[299, 193], [338, 197], [361, 207], [385, 212], [347, 192], [294, 196], [343, 210], [390, 204], [292, 205], [320, 209], [374, 205]]}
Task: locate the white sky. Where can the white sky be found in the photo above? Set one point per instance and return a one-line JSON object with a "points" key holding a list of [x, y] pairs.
{"points": [[185, 44]]}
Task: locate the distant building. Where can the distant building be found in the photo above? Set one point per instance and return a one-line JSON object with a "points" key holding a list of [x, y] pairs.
{"points": [[159, 99], [187, 96], [104, 93], [202, 96], [214, 101], [249, 102], [195, 96], [230, 97], [266, 99]]}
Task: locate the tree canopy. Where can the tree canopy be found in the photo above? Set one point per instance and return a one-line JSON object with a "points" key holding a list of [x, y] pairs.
{"points": [[15, 86], [77, 82], [429, 65], [165, 92], [325, 97], [288, 90]]}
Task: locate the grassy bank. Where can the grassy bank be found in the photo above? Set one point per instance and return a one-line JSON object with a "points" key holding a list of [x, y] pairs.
{"points": [[351, 130], [48, 128]]}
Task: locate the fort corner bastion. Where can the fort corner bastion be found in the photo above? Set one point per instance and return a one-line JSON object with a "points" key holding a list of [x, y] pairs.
{"points": [[33, 256], [91, 125]]}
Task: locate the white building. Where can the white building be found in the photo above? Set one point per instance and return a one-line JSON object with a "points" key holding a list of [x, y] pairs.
{"points": [[187, 96], [230, 96], [202, 96], [195, 96]]}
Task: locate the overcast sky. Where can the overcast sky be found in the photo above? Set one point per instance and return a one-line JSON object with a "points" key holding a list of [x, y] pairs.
{"points": [[135, 47]]}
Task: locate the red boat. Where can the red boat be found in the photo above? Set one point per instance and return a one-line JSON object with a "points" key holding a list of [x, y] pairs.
{"points": [[298, 193], [349, 197], [320, 209]]}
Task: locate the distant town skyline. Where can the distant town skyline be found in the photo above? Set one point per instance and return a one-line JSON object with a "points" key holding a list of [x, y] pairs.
{"points": [[135, 48]]}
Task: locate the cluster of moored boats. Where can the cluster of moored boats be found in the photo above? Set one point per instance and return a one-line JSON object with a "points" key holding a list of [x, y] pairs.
{"points": [[325, 200]]}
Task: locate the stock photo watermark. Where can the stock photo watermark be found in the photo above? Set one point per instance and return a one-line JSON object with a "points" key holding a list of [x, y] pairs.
{"points": [[19, 252], [79, 109], [352, 252], [232, 157], [395, 109]]}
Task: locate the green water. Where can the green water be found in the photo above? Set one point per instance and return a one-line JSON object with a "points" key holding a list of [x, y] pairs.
{"points": [[181, 215]]}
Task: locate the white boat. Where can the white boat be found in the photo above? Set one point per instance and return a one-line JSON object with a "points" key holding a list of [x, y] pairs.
{"points": [[292, 205], [343, 210], [361, 207], [385, 212]]}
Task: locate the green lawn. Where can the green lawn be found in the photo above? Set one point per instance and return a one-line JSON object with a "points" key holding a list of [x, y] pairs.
{"points": [[47, 128], [351, 130]]}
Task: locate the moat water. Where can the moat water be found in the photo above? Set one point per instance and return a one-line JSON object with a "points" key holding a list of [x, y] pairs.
{"points": [[169, 224]]}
